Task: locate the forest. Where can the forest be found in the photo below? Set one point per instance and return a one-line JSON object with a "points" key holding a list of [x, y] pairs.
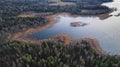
{"points": [[53, 54]]}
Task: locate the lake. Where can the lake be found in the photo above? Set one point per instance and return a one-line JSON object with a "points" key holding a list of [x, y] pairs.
{"points": [[106, 31]]}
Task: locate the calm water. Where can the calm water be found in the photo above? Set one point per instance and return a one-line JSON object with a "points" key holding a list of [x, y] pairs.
{"points": [[107, 31]]}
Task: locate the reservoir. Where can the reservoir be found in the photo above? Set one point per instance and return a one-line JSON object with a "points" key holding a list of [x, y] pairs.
{"points": [[106, 31]]}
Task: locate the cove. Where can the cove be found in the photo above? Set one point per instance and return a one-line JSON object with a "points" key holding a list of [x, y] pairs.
{"points": [[106, 31]]}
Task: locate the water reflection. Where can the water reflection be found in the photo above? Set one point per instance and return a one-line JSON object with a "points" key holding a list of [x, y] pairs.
{"points": [[106, 31]]}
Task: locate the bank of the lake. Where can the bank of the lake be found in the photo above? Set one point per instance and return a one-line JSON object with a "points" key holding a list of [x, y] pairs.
{"points": [[62, 38], [104, 30]]}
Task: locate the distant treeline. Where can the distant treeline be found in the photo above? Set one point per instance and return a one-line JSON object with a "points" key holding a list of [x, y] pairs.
{"points": [[80, 1]]}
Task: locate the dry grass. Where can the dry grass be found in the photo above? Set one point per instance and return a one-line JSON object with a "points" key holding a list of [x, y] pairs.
{"points": [[27, 14], [59, 2], [33, 14], [24, 16]]}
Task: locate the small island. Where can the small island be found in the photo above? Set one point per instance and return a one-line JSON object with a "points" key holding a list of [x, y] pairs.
{"points": [[78, 24]]}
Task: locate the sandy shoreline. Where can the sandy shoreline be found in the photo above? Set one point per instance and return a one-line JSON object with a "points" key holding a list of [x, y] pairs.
{"points": [[52, 20], [18, 35], [62, 38]]}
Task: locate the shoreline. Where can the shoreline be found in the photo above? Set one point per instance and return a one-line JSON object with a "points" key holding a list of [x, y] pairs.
{"points": [[51, 22], [64, 38], [16, 36]]}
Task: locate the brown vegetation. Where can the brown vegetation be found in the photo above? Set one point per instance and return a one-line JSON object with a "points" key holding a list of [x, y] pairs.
{"points": [[78, 24]]}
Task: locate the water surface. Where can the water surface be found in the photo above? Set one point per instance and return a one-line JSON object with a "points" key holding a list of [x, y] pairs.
{"points": [[107, 31]]}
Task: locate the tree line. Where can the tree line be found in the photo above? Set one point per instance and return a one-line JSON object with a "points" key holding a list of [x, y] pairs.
{"points": [[53, 54]]}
